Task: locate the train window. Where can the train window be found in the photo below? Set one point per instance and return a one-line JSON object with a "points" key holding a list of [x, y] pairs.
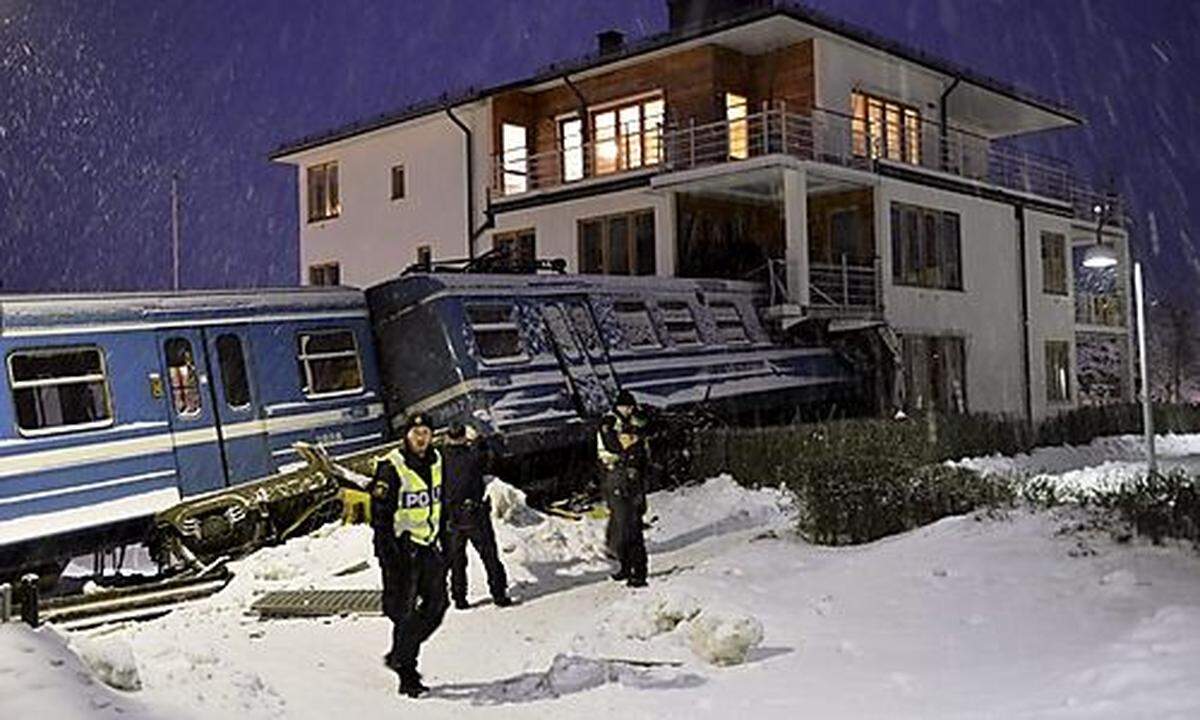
{"points": [[635, 321], [329, 363], [680, 322], [233, 371], [729, 322], [185, 381], [496, 332], [59, 390]]}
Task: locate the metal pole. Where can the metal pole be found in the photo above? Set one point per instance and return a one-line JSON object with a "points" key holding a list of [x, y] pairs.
{"points": [[175, 229], [1147, 408], [5, 602]]}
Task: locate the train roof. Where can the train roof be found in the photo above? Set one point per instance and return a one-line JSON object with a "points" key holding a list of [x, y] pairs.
{"points": [[413, 287], [47, 314]]}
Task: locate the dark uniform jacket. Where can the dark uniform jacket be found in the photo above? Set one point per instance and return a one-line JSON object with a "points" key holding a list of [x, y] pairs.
{"points": [[463, 467]]}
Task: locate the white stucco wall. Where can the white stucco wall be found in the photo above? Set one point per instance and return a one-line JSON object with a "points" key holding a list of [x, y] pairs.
{"points": [[1051, 317], [556, 224], [986, 313], [376, 237]]}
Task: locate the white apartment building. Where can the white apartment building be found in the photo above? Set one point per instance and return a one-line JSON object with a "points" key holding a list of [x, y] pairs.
{"points": [[860, 180]]}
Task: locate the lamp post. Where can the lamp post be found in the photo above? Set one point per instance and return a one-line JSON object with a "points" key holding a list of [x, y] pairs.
{"points": [[1147, 408]]}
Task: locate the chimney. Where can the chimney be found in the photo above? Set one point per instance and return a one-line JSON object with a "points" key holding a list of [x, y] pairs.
{"points": [[692, 14], [610, 41]]}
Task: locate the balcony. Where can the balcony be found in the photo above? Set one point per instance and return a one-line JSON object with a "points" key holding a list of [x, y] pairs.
{"points": [[822, 136]]}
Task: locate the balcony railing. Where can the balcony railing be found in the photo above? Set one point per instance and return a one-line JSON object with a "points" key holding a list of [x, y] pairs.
{"points": [[844, 286], [1100, 309], [821, 136]]}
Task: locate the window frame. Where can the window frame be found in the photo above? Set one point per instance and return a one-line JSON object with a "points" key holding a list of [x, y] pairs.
{"points": [[1053, 387], [877, 110], [650, 130], [632, 255], [14, 385], [932, 344], [319, 175], [717, 323], [302, 357], [1062, 274], [737, 121], [245, 366], [522, 357], [515, 238], [670, 316], [514, 160], [619, 313], [320, 269], [911, 246], [403, 185]]}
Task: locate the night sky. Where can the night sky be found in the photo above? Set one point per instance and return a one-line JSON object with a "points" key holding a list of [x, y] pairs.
{"points": [[100, 101]]}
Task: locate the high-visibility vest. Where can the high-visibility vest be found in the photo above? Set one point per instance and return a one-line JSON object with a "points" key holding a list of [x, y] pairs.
{"points": [[632, 424], [418, 506]]}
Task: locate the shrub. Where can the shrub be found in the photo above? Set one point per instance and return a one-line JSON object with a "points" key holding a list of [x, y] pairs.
{"points": [[1157, 506]]}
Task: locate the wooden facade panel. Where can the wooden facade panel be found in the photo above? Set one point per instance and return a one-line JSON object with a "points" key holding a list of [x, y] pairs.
{"points": [[823, 247]]}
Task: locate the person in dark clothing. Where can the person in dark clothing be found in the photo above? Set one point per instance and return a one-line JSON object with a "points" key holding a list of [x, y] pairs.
{"points": [[624, 457], [469, 516], [408, 524]]}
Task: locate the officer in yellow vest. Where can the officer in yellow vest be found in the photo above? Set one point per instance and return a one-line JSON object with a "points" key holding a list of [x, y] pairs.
{"points": [[406, 515]]}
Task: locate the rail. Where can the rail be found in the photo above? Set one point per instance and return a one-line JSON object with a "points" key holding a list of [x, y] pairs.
{"points": [[820, 135], [845, 286]]}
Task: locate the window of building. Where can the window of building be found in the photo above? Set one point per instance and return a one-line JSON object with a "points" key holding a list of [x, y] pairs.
{"points": [[328, 362], [515, 158], [323, 199], [680, 322], [926, 248], [59, 390], [739, 126], [1058, 371], [1054, 263], [183, 377], [570, 139], [730, 328], [884, 128], [519, 246], [233, 371], [497, 335], [628, 135], [329, 273], [617, 244], [398, 188], [935, 373], [634, 319], [424, 256]]}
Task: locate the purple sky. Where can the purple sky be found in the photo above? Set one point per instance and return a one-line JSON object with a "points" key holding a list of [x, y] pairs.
{"points": [[103, 100]]}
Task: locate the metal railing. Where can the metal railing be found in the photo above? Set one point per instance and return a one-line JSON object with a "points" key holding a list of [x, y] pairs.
{"points": [[845, 286], [1102, 309], [820, 135]]}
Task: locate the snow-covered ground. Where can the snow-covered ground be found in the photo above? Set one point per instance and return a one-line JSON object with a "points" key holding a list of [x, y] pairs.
{"points": [[971, 617], [1103, 464]]}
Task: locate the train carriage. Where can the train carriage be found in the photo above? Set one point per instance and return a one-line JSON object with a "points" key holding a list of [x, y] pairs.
{"points": [[115, 407]]}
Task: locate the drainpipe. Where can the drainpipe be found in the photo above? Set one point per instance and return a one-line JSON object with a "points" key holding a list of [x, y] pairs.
{"points": [[1019, 211], [584, 130], [472, 234], [942, 159]]}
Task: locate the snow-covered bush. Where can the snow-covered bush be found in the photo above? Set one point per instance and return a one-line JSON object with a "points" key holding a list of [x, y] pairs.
{"points": [[110, 660], [1158, 507], [724, 639]]}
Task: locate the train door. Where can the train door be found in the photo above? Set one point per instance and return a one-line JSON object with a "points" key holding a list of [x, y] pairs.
{"points": [[581, 354], [238, 406], [194, 423]]}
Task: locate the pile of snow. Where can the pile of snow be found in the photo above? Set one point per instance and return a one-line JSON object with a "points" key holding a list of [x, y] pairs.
{"points": [[716, 506], [1104, 464], [110, 659], [569, 674], [715, 635]]}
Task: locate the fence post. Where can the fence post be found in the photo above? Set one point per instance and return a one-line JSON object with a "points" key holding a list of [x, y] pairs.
{"points": [[783, 126], [5, 602], [29, 599], [766, 128], [845, 282]]}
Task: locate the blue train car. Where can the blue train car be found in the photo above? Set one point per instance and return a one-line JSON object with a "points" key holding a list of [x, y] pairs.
{"points": [[115, 407], [536, 359]]}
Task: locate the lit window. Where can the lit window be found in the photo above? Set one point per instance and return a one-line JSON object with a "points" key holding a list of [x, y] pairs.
{"points": [[184, 380], [329, 363], [739, 126], [515, 159], [605, 125], [323, 199], [628, 136], [883, 128], [59, 390], [571, 137]]}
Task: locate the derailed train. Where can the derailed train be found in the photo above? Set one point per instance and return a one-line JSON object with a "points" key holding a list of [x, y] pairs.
{"points": [[171, 418]]}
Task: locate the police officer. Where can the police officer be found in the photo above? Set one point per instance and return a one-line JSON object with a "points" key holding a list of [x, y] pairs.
{"points": [[406, 515], [624, 458], [470, 515]]}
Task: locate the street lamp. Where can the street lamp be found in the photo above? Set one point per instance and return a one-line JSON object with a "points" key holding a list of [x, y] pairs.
{"points": [[1100, 256]]}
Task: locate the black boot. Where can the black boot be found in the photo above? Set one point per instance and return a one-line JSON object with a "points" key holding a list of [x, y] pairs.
{"points": [[636, 582], [502, 601], [410, 682], [461, 604], [622, 574]]}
